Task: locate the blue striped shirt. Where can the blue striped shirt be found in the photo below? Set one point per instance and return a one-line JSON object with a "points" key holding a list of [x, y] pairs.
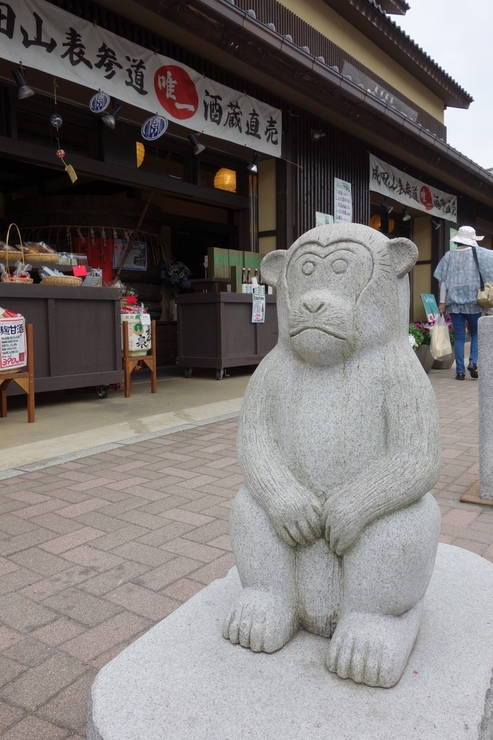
{"points": [[457, 269]]}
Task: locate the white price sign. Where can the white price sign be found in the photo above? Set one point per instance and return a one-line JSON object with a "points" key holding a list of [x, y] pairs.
{"points": [[12, 343], [258, 308]]}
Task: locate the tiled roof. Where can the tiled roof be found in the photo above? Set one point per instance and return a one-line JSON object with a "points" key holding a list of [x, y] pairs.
{"points": [[370, 18]]}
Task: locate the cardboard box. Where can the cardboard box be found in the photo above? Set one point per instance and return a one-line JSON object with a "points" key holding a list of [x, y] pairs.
{"points": [[236, 274], [218, 262]]}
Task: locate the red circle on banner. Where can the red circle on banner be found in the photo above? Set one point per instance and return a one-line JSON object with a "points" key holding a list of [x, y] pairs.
{"points": [[176, 91], [425, 197]]}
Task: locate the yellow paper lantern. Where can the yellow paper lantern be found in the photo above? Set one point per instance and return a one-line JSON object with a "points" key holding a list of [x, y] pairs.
{"points": [[140, 152], [225, 179], [376, 223]]}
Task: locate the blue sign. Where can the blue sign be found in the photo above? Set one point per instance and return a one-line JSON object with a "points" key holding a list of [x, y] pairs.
{"points": [[430, 305], [99, 102], [154, 127]]}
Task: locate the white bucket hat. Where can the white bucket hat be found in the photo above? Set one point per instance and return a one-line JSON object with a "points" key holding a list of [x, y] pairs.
{"points": [[467, 235]]}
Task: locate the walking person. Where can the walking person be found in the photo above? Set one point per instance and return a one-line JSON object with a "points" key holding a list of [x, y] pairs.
{"points": [[459, 279]]}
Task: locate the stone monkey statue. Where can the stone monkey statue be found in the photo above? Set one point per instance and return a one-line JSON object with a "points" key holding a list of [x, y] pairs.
{"points": [[335, 530]]}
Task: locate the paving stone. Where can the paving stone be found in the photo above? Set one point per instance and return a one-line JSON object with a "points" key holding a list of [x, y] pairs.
{"points": [[9, 669], [40, 561], [17, 579], [169, 532], [143, 554], [92, 558], [9, 716], [101, 584], [69, 708], [41, 590], [158, 578], [81, 606], [32, 728], [22, 614], [37, 685], [106, 636], [69, 541], [143, 601], [29, 652], [61, 630]]}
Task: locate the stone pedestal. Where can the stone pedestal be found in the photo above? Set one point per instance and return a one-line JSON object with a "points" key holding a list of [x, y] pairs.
{"points": [[183, 681], [485, 337]]}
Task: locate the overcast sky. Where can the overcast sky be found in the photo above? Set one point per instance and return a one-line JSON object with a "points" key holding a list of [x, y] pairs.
{"points": [[457, 35]]}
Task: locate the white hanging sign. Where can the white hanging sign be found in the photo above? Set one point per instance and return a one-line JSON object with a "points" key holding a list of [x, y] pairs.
{"points": [[41, 36], [258, 308], [405, 189], [343, 201]]}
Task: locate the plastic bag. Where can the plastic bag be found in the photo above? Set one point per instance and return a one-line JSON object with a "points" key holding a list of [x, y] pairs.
{"points": [[440, 345]]}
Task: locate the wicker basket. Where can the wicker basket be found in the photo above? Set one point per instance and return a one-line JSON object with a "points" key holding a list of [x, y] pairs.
{"points": [[8, 277], [62, 280], [40, 258]]}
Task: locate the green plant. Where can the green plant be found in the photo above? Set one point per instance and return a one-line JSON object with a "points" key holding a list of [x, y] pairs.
{"points": [[420, 332]]}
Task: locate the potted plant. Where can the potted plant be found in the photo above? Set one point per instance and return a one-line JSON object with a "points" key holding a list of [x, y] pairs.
{"points": [[176, 276], [420, 337]]}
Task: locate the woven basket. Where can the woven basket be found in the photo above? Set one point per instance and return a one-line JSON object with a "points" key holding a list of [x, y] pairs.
{"points": [[62, 280], [8, 278], [40, 258]]}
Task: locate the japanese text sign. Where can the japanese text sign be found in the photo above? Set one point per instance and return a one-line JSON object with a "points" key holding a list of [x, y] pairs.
{"points": [[12, 343], [405, 189], [42, 36]]}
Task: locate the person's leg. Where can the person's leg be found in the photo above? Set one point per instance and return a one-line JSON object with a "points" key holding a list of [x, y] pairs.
{"points": [[472, 320], [459, 324]]}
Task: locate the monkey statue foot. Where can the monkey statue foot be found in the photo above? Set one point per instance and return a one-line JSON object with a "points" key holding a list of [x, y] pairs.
{"points": [[261, 621], [373, 648]]}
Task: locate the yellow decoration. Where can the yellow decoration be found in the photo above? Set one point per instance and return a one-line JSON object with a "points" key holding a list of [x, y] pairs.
{"points": [[140, 152], [225, 179], [376, 223]]}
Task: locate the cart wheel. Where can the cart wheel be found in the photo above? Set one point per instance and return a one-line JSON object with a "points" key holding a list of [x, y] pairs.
{"points": [[219, 374], [102, 391], [187, 372]]}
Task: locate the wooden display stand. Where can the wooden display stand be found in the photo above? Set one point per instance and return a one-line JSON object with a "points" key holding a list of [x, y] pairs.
{"points": [[129, 363], [24, 380]]}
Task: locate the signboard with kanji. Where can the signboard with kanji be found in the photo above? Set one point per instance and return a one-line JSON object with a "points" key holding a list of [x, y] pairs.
{"points": [[12, 342], [41, 36]]}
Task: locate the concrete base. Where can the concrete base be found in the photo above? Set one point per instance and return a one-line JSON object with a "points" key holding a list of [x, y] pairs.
{"points": [[183, 681]]}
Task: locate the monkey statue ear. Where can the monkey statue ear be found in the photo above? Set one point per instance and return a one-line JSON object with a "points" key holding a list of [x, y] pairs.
{"points": [[272, 266], [404, 255]]}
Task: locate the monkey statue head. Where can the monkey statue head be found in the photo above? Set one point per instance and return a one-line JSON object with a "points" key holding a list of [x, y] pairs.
{"points": [[338, 291]]}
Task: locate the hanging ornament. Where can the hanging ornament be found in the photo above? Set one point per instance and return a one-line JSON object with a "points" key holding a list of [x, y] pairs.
{"points": [[60, 153], [56, 121]]}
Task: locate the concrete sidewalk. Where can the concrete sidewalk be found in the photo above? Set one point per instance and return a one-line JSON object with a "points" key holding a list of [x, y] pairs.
{"points": [[96, 550]]}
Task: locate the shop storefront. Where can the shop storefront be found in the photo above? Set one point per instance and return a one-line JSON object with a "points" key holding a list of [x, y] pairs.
{"points": [[204, 126]]}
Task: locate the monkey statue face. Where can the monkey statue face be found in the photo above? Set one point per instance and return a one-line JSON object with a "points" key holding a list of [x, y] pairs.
{"points": [[324, 286], [337, 290]]}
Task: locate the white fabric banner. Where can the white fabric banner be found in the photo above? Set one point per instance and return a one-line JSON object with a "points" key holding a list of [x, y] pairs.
{"points": [[44, 37], [405, 189]]}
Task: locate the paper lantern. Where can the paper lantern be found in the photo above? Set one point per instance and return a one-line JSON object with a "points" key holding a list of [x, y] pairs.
{"points": [[140, 152], [376, 223], [225, 179]]}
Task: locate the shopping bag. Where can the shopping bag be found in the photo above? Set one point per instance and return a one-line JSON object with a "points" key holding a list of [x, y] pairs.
{"points": [[440, 345], [485, 296]]}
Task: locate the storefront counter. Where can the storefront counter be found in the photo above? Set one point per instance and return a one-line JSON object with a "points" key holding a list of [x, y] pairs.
{"points": [[215, 330], [77, 334]]}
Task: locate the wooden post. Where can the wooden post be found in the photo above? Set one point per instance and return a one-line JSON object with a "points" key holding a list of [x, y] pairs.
{"points": [[153, 367], [30, 371], [126, 364]]}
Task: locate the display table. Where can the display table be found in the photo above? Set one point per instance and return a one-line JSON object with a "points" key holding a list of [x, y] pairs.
{"points": [[216, 330], [77, 334]]}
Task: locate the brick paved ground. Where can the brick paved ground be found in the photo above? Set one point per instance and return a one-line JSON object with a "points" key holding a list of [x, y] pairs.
{"points": [[94, 552]]}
